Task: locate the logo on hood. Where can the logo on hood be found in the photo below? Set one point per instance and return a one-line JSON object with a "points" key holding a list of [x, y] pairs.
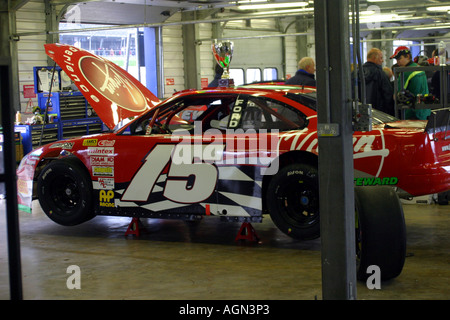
{"points": [[112, 84]]}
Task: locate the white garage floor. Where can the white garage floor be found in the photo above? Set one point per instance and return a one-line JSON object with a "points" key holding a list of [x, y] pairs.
{"points": [[201, 260]]}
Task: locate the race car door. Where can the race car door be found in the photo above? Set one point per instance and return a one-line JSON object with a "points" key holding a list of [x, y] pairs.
{"points": [[251, 152], [173, 170]]}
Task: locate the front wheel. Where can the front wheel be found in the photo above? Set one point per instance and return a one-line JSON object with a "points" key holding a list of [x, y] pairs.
{"points": [[293, 201], [65, 192], [380, 232]]}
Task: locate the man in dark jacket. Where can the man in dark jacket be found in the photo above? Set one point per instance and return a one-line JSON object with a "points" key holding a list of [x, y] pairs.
{"points": [[218, 71], [305, 73], [379, 91]]}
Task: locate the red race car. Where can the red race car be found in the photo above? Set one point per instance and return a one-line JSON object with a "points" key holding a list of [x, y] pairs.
{"points": [[237, 153]]}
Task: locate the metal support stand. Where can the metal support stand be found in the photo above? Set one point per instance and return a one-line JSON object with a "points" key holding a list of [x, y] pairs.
{"points": [[247, 232], [133, 227]]}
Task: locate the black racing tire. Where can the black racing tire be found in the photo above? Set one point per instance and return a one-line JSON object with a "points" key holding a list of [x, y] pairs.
{"points": [[65, 192], [380, 232], [293, 201]]}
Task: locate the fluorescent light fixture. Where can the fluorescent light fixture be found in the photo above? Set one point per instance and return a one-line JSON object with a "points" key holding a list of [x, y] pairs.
{"points": [[273, 5], [441, 8], [364, 13], [383, 18], [438, 26], [287, 11], [251, 1]]}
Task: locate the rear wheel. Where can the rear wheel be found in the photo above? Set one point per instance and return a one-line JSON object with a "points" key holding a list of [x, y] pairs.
{"points": [[380, 232], [293, 201], [65, 192]]}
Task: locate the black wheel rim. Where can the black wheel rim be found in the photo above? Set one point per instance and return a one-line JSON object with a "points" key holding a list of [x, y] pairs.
{"points": [[298, 203], [65, 194]]}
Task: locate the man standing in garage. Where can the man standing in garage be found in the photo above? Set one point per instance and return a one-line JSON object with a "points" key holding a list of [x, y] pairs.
{"points": [[415, 82], [379, 91], [305, 73], [218, 71]]}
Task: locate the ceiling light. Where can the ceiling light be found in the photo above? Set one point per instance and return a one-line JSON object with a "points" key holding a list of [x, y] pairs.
{"points": [[440, 26], [441, 8], [273, 5], [387, 17], [251, 1], [287, 11]]}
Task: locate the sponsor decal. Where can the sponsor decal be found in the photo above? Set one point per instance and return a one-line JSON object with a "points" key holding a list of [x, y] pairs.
{"points": [[22, 186], [375, 181], [69, 65], [90, 142], [102, 161], [102, 171], [112, 84], [106, 143], [235, 116], [106, 198], [446, 148], [100, 151], [106, 183]]}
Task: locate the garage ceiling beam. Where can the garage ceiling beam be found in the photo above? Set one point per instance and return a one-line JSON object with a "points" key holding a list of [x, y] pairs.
{"points": [[17, 4], [159, 24]]}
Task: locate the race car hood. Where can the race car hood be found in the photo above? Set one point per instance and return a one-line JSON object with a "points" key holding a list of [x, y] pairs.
{"points": [[113, 93]]}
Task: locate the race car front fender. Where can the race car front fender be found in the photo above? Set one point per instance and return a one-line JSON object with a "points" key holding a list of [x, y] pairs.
{"points": [[25, 178], [28, 171]]}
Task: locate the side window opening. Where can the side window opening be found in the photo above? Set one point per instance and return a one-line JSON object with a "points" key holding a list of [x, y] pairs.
{"points": [[262, 113]]}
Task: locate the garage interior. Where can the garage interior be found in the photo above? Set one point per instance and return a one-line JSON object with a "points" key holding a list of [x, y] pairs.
{"points": [[178, 260]]}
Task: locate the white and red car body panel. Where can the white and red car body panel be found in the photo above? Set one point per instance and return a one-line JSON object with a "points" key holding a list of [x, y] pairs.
{"points": [[135, 175]]}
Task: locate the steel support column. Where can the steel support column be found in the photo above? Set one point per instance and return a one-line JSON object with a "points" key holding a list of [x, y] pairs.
{"points": [[8, 177], [332, 39], [151, 67], [191, 52]]}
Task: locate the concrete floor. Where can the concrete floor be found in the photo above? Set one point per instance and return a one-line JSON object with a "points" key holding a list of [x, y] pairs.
{"points": [[201, 260]]}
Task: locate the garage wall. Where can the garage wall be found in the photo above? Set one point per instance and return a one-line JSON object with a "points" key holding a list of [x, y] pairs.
{"points": [[173, 57], [290, 54], [256, 52], [31, 17], [207, 61]]}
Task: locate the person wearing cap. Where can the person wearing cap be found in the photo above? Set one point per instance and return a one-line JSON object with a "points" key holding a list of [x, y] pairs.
{"points": [[379, 91], [415, 82]]}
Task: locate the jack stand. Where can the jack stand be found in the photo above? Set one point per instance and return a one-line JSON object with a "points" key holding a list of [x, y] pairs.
{"points": [[133, 227], [247, 232]]}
